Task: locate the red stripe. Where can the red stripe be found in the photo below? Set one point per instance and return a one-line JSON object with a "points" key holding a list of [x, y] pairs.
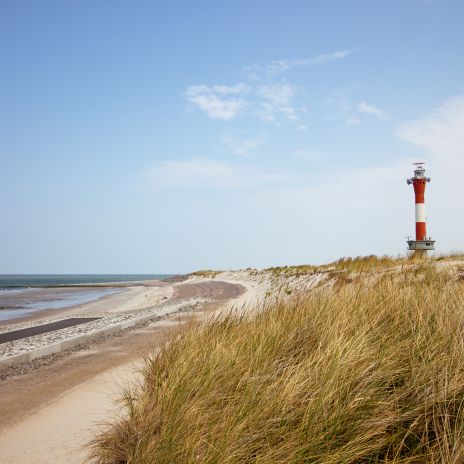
{"points": [[419, 190], [421, 231]]}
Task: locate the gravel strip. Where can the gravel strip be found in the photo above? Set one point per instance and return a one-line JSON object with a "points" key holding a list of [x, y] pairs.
{"points": [[39, 341]]}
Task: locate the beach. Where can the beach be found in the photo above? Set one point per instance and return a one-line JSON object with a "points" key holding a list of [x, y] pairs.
{"points": [[59, 401], [54, 405]]}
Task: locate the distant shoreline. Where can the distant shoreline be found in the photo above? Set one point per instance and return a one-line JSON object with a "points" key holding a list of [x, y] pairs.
{"points": [[25, 303], [89, 285], [152, 278], [28, 302], [10, 282]]}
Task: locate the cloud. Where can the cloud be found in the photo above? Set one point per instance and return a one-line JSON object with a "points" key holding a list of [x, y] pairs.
{"points": [[241, 146], [326, 57], [277, 67], [277, 102], [270, 102], [341, 107], [367, 108], [440, 133], [267, 97], [201, 173], [218, 101], [253, 72]]}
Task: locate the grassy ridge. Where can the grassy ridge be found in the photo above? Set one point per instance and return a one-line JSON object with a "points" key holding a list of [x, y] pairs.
{"points": [[369, 371], [357, 264]]}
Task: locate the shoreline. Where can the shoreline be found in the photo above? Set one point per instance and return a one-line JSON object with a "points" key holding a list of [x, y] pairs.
{"points": [[108, 315], [59, 294], [39, 400], [126, 283]]}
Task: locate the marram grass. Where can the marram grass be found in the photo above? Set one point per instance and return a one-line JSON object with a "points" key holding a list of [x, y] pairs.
{"points": [[368, 372]]}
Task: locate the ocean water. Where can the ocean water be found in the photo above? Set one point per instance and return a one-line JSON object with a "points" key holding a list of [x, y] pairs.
{"points": [[25, 302], [17, 281], [23, 295]]}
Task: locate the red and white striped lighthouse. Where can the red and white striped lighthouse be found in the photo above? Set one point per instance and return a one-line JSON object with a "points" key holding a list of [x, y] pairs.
{"points": [[422, 242]]}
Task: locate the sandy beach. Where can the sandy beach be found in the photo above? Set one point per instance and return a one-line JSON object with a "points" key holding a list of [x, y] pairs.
{"points": [[58, 402]]}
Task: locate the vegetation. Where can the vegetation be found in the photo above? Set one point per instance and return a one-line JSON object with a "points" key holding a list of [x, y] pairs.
{"points": [[365, 263], [206, 273], [290, 271], [357, 264], [365, 372]]}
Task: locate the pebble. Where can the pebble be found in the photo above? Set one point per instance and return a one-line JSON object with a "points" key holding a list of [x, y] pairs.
{"points": [[39, 341]]}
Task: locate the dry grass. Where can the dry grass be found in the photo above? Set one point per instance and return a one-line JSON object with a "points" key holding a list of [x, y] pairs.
{"points": [[357, 264], [366, 372], [210, 274], [290, 271], [456, 255], [366, 263], [360, 264]]}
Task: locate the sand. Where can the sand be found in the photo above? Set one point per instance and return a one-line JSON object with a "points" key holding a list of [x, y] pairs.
{"points": [[49, 414], [58, 430]]}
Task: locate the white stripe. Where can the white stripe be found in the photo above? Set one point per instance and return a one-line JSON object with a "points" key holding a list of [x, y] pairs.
{"points": [[420, 212]]}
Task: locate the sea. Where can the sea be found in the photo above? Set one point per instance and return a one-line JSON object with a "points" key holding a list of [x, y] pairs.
{"points": [[17, 281], [24, 294]]}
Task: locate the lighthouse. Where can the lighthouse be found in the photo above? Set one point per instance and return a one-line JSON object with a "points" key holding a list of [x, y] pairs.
{"points": [[422, 244]]}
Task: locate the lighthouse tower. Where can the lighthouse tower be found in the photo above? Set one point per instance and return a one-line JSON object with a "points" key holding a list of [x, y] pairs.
{"points": [[422, 244]]}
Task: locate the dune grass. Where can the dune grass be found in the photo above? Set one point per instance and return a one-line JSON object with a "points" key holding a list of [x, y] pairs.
{"points": [[361, 264], [357, 264], [367, 372], [366, 263], [207, 273]]}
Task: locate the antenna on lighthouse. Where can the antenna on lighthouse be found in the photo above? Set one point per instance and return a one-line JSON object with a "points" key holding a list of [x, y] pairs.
{"points": [[422, 243]]}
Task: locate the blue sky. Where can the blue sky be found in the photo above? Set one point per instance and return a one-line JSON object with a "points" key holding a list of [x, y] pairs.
{"points": [[172, 136]]}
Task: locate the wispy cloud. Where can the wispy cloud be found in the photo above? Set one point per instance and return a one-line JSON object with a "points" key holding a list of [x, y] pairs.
{"points": [[201, 173], [271, 102], [218, 101], [341, 107], [440, 133], [368, 108], [277, 102], [240, 146], [266, 95], [257, 72]]}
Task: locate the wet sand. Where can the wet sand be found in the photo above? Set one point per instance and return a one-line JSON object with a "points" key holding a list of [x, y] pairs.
{"points": [[103, 302], [216, 289], [28, 304]]}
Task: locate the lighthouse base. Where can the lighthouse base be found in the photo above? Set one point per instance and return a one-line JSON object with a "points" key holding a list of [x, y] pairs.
{"points": [[421, 246]]}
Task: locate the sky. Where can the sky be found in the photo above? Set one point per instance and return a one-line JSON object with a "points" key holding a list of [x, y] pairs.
{"points": [[171, 136]]}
